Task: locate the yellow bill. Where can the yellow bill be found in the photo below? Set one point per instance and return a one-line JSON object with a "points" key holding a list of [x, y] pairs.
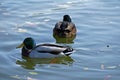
{"points": [[20, 46]]}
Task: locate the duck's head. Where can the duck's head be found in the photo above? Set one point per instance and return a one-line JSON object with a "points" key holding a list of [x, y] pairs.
{"points": [[28, 43], [67, 18]]}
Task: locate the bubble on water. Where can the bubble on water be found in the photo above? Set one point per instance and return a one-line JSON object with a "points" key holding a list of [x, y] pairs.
{"points": [[31, 23], [112, 67], [15, 77], [46, 20], [21, 30], [6, 14], [102, 66], [29, 78], [85, 68], [33, 73]]}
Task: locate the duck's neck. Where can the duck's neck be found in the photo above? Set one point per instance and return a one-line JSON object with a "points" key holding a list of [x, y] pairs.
{"points": [[25, 52]]}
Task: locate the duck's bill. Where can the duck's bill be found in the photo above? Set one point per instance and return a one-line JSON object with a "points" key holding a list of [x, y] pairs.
{"points": [[20, 46]]}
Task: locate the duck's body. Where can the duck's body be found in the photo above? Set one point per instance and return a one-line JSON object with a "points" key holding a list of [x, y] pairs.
{"points": [[44, 50], [65, 28]]}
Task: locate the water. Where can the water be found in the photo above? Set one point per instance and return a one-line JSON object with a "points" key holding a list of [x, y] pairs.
{"points": [[96, 45]]}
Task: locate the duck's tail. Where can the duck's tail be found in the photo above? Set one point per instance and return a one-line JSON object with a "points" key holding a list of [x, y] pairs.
{"points": [[68, 51]]}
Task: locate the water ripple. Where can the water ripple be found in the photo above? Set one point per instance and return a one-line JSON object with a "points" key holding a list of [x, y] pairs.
{"points": [[96, 45]]}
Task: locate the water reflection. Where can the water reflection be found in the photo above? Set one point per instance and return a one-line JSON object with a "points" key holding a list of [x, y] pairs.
{"points": [[68, 40], [30, 63]]}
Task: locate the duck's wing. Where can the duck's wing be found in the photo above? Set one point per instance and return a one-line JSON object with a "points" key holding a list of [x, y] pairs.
{"points": [[64, 26], [71, 26], [57, 25], [53, 49]]}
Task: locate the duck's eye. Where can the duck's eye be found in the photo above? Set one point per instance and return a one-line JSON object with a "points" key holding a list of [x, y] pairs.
{"points": [[67, 31]]}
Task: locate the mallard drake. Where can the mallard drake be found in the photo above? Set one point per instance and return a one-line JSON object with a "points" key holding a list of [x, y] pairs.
{"points": [[30, 49], [65, 28]]}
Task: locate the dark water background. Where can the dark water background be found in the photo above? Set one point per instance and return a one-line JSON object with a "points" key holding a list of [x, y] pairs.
{"points": [[97, 44]]}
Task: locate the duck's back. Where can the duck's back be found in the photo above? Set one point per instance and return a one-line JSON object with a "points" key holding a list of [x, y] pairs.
{"points": [[48, 50]]}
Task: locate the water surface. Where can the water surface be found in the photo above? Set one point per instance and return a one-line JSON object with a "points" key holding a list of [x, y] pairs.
{"points": [[96, 45]]}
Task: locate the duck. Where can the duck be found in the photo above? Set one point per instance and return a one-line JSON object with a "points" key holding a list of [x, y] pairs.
{"points": [[65, 28], [30, 49]]}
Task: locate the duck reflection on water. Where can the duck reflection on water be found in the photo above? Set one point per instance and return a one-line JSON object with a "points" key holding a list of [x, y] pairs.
{"points": [[30, 63], [68, 40]]}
